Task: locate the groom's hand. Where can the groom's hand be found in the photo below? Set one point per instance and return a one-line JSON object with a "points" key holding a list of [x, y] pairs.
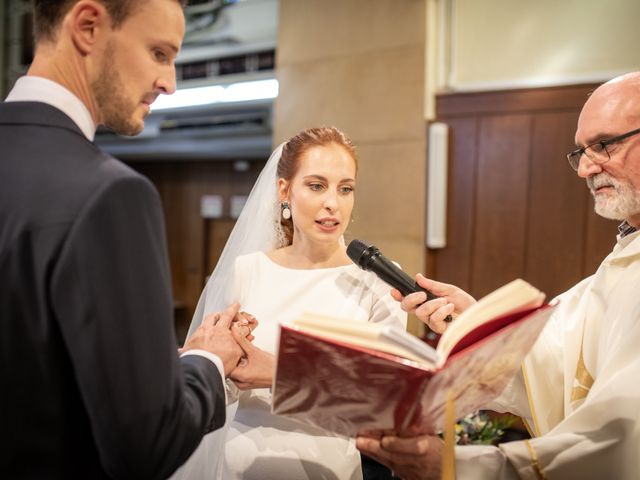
{"points": [[214, 335]]}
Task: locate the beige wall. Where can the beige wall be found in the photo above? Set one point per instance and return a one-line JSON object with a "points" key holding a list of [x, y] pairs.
{"points": [[359, 65], [512, 43]]}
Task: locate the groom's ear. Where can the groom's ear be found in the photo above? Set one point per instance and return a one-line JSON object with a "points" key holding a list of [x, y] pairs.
{"points": [[283, 189]]}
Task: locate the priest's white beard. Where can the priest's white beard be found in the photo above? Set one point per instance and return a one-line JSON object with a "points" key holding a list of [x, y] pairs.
{"points": [[622, 204]]}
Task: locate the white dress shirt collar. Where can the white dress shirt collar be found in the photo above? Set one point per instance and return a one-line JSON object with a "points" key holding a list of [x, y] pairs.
{"points": [[38, 89]]}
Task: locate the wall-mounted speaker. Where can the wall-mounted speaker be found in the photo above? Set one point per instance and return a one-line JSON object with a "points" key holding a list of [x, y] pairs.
{"points": [[438, 164]]}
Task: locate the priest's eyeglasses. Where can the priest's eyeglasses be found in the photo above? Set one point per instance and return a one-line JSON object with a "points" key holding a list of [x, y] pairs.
{"points": [[598, 152]]}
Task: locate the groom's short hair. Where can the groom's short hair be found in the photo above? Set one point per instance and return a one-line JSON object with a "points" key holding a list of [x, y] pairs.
{"points": [[48, 14]]}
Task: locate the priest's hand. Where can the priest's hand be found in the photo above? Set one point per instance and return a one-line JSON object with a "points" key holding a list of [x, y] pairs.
{"points": [[410, 458], [256, 367], [452, 301]]}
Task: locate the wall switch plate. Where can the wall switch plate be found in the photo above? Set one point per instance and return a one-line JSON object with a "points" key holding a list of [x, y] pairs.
{"points": [[237, 204], [211, 206]]}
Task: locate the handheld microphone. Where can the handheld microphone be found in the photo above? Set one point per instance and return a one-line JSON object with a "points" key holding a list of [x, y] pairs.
{"points": [[368, 257]]}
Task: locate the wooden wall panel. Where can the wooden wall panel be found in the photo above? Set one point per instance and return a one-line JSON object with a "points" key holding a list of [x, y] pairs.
{"points": [[555, 226], [453, 264], [216, 233], [501, 201], [195, 242], [599, 239], [516, 208]]}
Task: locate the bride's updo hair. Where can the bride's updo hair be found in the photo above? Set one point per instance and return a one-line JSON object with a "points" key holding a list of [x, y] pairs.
{"points": [[296, 146]]}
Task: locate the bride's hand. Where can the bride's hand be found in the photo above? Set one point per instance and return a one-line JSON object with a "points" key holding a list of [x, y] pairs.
{"points": [[255, 369], [245, 319]]}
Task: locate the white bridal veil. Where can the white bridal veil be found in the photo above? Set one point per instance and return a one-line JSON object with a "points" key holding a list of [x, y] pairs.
{"points": [[257, 229]]}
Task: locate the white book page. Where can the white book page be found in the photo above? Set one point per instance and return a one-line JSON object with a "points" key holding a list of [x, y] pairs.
{"points": [[385, 338]]}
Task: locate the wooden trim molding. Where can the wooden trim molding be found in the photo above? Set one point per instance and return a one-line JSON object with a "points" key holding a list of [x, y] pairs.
{"points": [[501, 102]]}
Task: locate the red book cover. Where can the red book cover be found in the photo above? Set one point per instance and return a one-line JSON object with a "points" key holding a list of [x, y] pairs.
{"points": [[350, 389]]}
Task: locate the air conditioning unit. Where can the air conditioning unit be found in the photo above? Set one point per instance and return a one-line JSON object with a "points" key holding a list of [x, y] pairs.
{"points": [[234, 132], [226, 87], [228, 40]]}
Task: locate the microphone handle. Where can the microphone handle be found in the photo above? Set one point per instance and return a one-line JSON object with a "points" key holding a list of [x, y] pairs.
{"points": [[430, 296], [398, 278], [417, 288]]}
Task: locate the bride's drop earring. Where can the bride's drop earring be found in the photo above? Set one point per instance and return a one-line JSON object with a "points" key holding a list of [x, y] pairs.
{"points": [[286, 211]]}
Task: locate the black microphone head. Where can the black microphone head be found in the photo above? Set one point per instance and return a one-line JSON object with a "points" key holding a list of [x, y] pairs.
{"points": [[360, 253]]}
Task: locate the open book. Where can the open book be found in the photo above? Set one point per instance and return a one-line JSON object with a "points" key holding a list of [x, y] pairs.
{"points": [[352, 377]]}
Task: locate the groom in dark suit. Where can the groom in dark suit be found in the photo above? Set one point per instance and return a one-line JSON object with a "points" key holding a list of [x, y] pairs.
{"points": [[92, 386]]}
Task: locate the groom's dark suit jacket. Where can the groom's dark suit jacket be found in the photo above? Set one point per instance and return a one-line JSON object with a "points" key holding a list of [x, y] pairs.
{"points": [[91, 385]]}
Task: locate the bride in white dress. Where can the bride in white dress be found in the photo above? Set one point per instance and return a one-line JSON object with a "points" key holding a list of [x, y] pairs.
{"points": [[286, 256]]}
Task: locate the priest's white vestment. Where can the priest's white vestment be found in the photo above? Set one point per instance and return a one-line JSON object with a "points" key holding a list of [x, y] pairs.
{"points": [[579, 390]]}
